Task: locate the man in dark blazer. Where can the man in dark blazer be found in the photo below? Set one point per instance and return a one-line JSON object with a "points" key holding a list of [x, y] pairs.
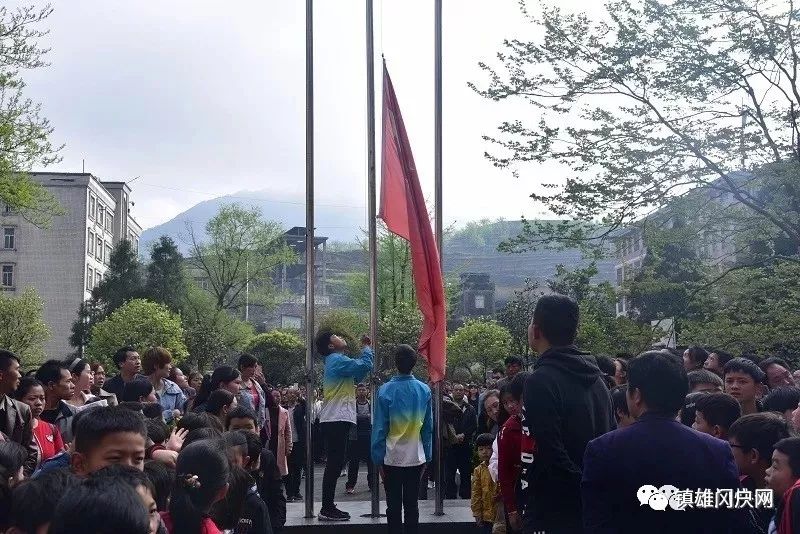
{"points": [[623, 469], [16, 423]]}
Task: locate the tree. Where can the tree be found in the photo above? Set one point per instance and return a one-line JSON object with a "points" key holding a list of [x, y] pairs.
{"points": [[22, 327], [89, 314], [242, 252], [141, 324], [167, 282], [647, 104], [211, 335], [401, 325], [282, 355], [516, 316], [24, 133], [346, 324], [123, 280], [478, 346]]}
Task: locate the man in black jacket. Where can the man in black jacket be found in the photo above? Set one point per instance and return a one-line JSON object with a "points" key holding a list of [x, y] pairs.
{"points": [[458, 456], [566, 405]]}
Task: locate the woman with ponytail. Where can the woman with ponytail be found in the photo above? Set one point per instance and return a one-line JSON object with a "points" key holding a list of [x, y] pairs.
{"points": [[201, 479]]}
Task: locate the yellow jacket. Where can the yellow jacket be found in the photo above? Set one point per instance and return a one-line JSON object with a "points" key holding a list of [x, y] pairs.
{"points": [[484, 494]]}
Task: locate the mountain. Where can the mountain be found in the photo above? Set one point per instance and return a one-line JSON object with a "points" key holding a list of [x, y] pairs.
{"points": [[337, 223]]}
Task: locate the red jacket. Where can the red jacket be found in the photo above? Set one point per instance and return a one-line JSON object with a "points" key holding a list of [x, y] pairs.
{"points": [[511, 444]]}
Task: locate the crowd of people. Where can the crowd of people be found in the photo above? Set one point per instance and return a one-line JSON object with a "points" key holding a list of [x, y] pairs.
{"points": [[689, 440]]}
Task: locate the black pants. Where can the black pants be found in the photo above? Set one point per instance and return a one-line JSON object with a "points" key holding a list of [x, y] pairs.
{"points": [[336, 435], [402, 486], [296, 461], [457, 458], [356, 452]]}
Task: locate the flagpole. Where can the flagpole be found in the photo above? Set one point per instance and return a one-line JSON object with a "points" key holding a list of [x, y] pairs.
{"points": [[373, 235], [310, 273], [437, 413]]}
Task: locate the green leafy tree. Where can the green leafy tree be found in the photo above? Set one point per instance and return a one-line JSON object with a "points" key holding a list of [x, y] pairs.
{"points": [[478, 346], [24, 132], [242, 251], [167, 282], [212, 336], [89, 314], [282, 355], [123, 280], [22, 327], [141, 324], [401, 325], [347, 324], [516, 316], [646, 103]]}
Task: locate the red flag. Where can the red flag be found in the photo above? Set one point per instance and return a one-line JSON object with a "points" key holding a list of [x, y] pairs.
{"points": [[405, 214]]}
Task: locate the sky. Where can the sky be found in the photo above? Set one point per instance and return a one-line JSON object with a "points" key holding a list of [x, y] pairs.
{"points": [[193, 99]]}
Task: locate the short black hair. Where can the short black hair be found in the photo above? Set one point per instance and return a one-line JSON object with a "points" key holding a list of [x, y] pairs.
{"points": [[322, 341], [557, 317], [34, 500], [760, 432], [773, 360], [513, 360], [162, 478], [791, 448], [661, 379], [689, 408], [218, 399], [125, 473], [193, 421], [703, 376], [6, 357], [722, 356], [254, 445], [606, 364], [484, 440], [745, 366], [247, 360], [782, 399], [241, 412], [122, 354], [405, 358], [200, 434], [100, 506], [26, 383], [698, 355], [97, 423], [157, 431], [135, 389], [719, 409], [50, 372], [619, 399], [498, 371]]}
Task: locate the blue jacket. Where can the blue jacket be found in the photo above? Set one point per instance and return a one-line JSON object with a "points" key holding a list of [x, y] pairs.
{"points": [[656, 451], [339, 385], [172, 398], [402, 432]]}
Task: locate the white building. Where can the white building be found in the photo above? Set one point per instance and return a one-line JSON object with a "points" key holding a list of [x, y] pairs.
{"points": [[64, 262]]}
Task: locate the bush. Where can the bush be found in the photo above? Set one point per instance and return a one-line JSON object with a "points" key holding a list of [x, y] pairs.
{"points": [[282, 355]]}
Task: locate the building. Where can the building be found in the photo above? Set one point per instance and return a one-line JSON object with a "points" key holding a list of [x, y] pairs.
{"points": [[476, 299], [67, 260]]}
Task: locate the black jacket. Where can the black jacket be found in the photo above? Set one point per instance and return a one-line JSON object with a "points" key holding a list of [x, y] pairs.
{"points": [[299, 416], [255, 516], [566, 405], [467, 425], [268, 483]]}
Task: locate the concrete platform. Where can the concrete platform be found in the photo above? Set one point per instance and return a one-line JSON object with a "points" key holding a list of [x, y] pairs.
{"points": [[457, 515]]}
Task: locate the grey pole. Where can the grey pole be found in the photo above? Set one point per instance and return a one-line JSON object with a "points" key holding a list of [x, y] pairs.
{"points": [[310, 274], [373, 235], [437, 412]]}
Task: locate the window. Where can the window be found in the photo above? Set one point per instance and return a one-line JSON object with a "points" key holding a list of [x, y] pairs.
{"points": [[8, 209], [480, 302], [107, 257], [620, 276], [99, 249], [9, 237], [100, 214], [89, 278], [90, 244], [109, 221], [8, 276], [92, 205]]}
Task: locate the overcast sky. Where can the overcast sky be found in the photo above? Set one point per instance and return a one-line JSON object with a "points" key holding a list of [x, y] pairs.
{"points": [[201, 99]]}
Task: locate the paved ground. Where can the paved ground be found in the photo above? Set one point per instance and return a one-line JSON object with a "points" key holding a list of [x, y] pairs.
{"points": [[361, 490]]}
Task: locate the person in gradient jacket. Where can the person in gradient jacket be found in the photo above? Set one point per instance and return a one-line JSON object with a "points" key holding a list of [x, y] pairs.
{"points": [[402, 440], [338, 411]]}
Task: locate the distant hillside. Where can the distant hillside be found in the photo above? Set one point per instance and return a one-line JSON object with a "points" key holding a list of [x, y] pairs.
{"points": [[337, 223]]}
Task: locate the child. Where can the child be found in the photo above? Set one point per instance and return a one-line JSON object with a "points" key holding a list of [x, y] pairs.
{"points": [[402, 440], [242, 418], [201, 480], [744, 381], [783, 477], [715, 413], [243, 511], [162, 478], [509, 447], [100, 506], [484, 489], [34, 501], [140, 483], [47, 437], [12, 459], [620, 403], [108, 435]]}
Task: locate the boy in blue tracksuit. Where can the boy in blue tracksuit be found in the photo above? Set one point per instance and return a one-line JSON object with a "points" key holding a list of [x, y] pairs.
{"points": [[338, 412], [402, 440]]}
